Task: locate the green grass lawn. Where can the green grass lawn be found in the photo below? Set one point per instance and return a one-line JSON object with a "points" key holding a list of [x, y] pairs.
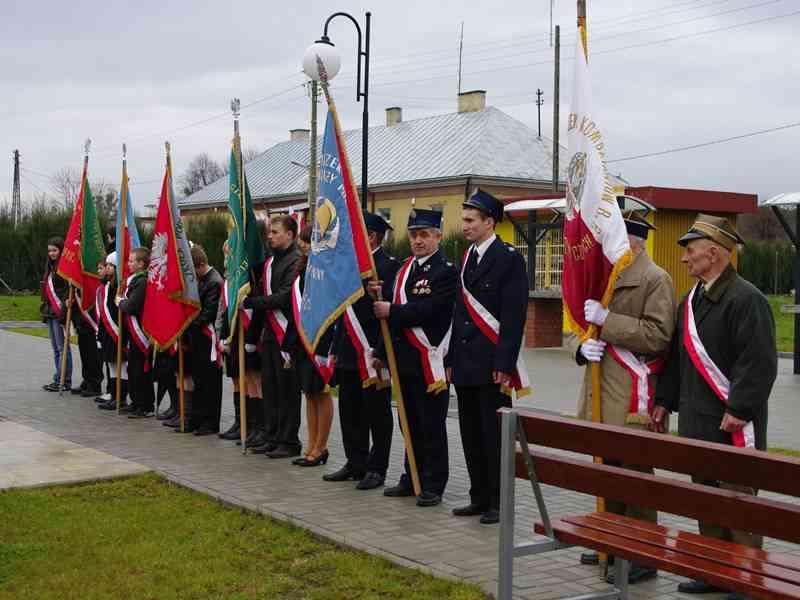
{"points": [[784, 322], [19, 308], [143, 538], [40, 332]]}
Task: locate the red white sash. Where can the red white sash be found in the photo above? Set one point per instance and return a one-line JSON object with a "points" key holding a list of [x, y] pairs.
{"points": [[55, 302], [105, 313], [85, 313], [246, 313], [277, 320], [211, 333], [714, 377], [365, 354], [324, 364], [642, 389], [432, 357], [137, 334], [490, 327]]}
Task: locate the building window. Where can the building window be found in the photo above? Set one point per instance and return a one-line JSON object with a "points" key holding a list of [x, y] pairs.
{"points": [[549, 258]]}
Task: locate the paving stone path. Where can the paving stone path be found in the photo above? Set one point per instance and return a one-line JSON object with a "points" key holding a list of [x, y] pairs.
{"points": [[426, 538]]}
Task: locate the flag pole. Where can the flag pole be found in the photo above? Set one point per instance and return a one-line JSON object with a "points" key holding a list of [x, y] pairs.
{"points": [[181, 401], [123, 207], [387, 338], [66, 347], [237, 146]]}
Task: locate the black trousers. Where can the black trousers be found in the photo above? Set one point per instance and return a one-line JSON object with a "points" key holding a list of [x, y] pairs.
{"points": [[140, 380], [281, 402], [363, 412], [427, 424], [207, 378], [480, 436], [91, 364]]}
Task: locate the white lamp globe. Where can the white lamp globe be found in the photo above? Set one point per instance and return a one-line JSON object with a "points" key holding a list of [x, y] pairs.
{"points": [[329, 56]]}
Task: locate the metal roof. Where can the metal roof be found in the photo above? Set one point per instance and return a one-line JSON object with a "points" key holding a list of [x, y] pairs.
{"points": [[790, 199], [488, 143]]}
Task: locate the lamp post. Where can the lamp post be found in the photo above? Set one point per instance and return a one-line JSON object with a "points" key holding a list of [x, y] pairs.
{"points": [[326, 51]]}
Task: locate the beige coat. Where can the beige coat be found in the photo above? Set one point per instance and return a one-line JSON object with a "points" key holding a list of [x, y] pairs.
{"points": [[641, 319]]}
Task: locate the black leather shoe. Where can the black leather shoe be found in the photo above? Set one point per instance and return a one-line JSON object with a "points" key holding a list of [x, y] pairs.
{"points": [[187, 429], [204, 431], [50, 387], [77, 391], [698, 587], [128, 408], [738, 596], [636, 574], [470, 510], [262, 448], [167, 416], [490, 517], [346, 473], [398, 491], [108, 405], [232, 433], [283, 452], [428, 499], [370, 481], [90, 392]]}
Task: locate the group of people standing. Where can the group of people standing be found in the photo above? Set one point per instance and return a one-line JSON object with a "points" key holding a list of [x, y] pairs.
{"points": [[449, 325], [711, 358]]}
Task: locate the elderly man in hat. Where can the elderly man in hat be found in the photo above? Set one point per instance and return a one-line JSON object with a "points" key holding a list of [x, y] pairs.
{"points": [[726, 329], [364, 391], [635, 332], [488, 323], [419, 307]]}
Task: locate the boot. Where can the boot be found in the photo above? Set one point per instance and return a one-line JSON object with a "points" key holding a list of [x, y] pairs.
{"points": [[233, 431], [187, 415]]}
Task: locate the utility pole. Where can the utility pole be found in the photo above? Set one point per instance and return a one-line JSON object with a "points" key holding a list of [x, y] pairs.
{"points": [[312, 164], [556, 90], [16, 199], [539, 102], [460, 54]]}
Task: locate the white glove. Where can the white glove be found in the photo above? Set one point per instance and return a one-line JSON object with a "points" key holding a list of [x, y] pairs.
{"points": [[225, 348], [592, 350], [117, 300], [594, 312], [249, 348]]}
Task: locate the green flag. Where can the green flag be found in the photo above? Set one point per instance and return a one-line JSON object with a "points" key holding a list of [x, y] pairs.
{"points": [[244, 243]]}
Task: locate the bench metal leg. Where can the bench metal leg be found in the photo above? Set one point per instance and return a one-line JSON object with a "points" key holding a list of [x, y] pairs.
{"points": [[505, 578]]}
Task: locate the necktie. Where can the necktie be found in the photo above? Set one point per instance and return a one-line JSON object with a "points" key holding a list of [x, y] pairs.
{"points": [[414, 267], [698, 296], [472, 261]]}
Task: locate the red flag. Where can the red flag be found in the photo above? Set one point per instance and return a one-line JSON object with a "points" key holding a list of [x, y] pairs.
{"points": [[83, 248], [171, 301]]}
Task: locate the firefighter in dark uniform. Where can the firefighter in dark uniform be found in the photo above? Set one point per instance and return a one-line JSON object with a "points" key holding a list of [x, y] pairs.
{"points": [[494, 275], [364, 392], [419, 308]]}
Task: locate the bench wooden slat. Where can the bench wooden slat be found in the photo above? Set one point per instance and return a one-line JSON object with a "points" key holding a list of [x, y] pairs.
{"points": [[693, 567], [781, 559], [694, 457], [707, 550], [706, 503]]}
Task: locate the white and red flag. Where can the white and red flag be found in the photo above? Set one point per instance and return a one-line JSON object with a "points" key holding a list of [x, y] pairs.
{"points": [[596, 245], [172, 300]]}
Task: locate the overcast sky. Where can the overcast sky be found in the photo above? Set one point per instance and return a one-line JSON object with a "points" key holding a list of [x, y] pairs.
{"points": [[148, 71]]}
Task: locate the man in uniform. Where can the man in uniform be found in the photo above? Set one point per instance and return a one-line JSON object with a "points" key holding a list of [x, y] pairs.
{"points": [[281, 389], [635, 333], [731, 320], [364, 391], [482, 361], [419, 311], [206, 363]]}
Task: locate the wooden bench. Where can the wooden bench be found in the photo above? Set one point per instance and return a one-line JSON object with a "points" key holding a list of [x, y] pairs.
{"points": [[758, 573]]}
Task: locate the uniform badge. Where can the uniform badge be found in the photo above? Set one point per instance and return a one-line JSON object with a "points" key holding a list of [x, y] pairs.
{"points": [[426, 267]]}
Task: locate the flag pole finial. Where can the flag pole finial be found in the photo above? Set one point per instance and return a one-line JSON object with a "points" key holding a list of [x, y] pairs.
{"points": [[87, 146], [235, 107], [124, 151]]}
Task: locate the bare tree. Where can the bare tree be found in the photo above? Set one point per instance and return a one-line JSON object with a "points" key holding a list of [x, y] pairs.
{"points": [[201, 171], [760, 226], [250, 153], [67, 185], [105, 197]]}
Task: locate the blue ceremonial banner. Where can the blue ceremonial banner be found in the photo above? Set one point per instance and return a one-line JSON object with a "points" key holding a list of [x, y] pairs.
{"points": [[333, 275]]}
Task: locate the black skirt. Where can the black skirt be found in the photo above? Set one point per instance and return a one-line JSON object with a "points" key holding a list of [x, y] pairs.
{"points": [[307, 375]]}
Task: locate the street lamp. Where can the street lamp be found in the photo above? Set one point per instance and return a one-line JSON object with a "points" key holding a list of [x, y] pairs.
{"points": [[324, 49]]}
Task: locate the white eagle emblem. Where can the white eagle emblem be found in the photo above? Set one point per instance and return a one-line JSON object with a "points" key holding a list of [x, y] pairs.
{"points": [[576, 180], [157, 273]]}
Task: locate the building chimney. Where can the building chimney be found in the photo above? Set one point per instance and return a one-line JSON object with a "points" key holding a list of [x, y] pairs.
{"points": [[394, 115], [473, 101], [299, 135]]}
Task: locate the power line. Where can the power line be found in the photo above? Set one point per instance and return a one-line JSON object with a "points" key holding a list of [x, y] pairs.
{"points": [[705, 144]]}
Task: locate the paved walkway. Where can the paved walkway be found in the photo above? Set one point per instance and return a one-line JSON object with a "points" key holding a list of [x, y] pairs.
{"points": [[429, 539]]}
